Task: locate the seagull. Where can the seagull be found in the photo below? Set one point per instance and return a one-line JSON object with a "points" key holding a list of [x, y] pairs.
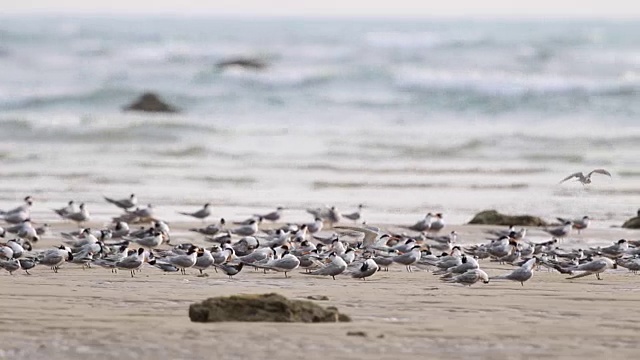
{"points": [[183, 261], [561, 231], [593, 267], [355, 216], [409, 258], [69, 209], [368, 268], [80, 216], [125, 204], [422, 225], [210, 230], [470, 277], [200, 214], [28, 201], [336, 267], [586, 179], [285, 264], [272, 216], [521, 274], [230, 269]]}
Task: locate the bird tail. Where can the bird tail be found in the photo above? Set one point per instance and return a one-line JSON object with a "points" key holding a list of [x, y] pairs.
{"points": [[562, 270], [586, 273]]}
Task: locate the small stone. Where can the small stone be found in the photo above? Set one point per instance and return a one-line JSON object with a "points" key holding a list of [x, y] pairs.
{"points": [[150, 102], [263, 308], [492, 217], [318, 297], [357, 333]]}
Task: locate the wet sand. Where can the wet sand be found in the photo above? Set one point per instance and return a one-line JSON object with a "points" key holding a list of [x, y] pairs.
{"points": [[79, 314]]}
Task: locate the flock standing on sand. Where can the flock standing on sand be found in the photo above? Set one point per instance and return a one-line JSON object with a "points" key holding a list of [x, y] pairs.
{"points": [[355, 250]]}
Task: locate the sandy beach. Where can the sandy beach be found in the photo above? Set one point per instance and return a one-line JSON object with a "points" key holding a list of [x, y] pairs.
{"points": [[78, 313]]}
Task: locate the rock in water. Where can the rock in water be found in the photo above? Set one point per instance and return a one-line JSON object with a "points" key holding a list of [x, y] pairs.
{"points": [[262, 308], [633, 223], [150, 102], [492, 217], [247, 63]]}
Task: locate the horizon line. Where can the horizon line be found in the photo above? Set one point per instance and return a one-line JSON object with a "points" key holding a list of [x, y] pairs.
{"points": [[238, 15]]}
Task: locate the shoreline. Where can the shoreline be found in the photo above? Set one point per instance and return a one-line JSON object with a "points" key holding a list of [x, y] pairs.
{"points": [[79, 312]]}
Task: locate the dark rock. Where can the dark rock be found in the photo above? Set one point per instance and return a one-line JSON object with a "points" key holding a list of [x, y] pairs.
{"points": [[263, 308], [150, 102], [357, 333], [247, 63], [633, 223], [318, 297], [492, 217]]}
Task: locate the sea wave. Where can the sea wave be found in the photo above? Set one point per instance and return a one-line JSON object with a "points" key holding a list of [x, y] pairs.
{"points": [[103, 129], [505, 83], [420, 39]]}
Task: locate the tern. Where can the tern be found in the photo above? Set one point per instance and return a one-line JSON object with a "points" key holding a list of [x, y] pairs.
{"points": [[356, 215], [200, 214], [521, 274], [126, 203], [470, 277], [368, 268], [586, 179], [272, 216], [336, 267], [593, 267]]}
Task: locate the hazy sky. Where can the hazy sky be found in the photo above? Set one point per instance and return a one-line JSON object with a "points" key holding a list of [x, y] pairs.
{"points": [[474, 8]]}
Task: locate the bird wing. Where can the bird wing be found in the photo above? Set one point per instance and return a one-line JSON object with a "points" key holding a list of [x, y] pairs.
{"points": [[591, 266], [369, 234], [576, 175], [587, 273], [600, 171]]}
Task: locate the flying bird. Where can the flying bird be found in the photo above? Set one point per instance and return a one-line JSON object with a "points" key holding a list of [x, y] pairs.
{"points": [[586, 179]]}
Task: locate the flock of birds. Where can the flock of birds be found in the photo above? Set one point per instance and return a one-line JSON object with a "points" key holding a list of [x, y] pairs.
{"points": [[357, 250]]}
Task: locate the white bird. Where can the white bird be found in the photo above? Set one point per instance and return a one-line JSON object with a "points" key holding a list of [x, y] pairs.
{"points": [[372, 235], [184, 261], [578, 224], [356, 215], [586, 179], [521, 274], [272, 216], [470, 277], [81, 216], [132, 262], [285, 264], [247, 230], [69, 209], [315, 226], [437, 224], [54, 259], [16, 217], [152, 241], [126, 203], [368, 268], [200, 214], [10, 265], [210, 230], [336, 267], [28, 201], [423, 224], [333, 216], [204, 260], [593, 267], [410, 258]]}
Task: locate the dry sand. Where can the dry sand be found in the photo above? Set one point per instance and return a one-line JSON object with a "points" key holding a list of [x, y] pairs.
{"points": [[80, 314]]}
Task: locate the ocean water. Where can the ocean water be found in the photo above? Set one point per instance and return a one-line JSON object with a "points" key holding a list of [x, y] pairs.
{"points": [[404, 116]]}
